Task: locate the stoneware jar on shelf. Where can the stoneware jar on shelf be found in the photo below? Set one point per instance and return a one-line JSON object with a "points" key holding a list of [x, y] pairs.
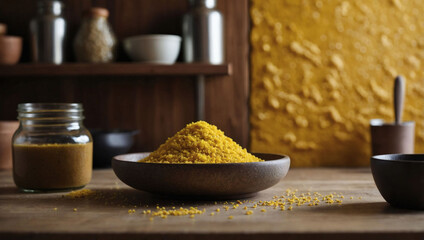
{"points": [[95, 41]]}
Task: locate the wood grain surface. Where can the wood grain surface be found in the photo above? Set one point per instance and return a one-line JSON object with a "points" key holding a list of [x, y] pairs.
{"points": [[33, 216], [158, 106], [114, 69]]}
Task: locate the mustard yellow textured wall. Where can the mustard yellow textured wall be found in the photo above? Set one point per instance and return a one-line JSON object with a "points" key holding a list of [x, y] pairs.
{"points": [[321, 69]]}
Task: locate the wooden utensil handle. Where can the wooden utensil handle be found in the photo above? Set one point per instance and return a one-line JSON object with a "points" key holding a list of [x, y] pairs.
{"points": [[399, 97]]}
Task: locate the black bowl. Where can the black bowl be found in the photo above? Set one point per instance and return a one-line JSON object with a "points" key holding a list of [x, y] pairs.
{"points": [[400, 179], [109, 143]]}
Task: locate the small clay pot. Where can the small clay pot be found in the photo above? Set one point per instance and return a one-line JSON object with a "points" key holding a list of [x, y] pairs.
{"points": [[3, 29], [7, 129], [400, 179], [10, 49]]}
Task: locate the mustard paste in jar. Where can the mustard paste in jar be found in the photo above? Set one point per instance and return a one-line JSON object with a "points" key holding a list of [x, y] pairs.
{"points": [[52, 166]]}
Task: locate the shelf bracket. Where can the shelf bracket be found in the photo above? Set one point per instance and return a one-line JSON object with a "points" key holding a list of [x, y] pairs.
{"points": [[200, 97]]}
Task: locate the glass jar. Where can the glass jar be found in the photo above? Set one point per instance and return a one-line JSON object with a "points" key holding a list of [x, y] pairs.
{"points": [[95, 41], [52, 150]]}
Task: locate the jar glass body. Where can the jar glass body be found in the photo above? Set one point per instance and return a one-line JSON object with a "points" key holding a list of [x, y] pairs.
{"points": [[52, 150], [95, 41]]}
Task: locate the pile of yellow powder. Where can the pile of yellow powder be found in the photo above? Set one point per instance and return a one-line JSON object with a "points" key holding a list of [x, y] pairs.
{"points": [[200, 142]]}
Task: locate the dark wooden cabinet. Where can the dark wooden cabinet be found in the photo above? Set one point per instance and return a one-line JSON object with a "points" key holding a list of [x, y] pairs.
{"points": [[156, 100]]}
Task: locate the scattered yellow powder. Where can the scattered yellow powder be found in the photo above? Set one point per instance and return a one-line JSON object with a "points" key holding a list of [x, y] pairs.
{"points": [[83, 193], [200, 142], [290, 198], [163, 213], [131, 211]]}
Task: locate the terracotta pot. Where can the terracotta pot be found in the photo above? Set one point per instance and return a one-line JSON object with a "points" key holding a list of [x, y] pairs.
{"points": [[7, 129], [3, 29], [10, 49]]}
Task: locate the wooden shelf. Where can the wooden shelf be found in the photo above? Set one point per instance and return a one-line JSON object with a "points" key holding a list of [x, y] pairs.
{"points": [[114, 69]]}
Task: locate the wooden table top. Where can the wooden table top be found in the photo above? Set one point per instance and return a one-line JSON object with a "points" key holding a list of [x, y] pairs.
{"points": [[363, 213]]}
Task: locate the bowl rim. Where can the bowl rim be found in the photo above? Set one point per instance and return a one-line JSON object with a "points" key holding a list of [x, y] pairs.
{"points": [[154, 36], [387, 158], [281, 158]]}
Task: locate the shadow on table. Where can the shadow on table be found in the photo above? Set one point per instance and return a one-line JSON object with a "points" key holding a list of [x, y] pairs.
{"points": [[363, 209], [130, 197], [116, 197], [9, 190]]}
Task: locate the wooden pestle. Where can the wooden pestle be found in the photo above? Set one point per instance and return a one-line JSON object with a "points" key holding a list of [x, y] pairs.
{"points": [[399, 97]]}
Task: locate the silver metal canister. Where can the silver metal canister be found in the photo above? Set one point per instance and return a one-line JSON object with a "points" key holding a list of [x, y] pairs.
{"points": [[48, 32], [203, 33]]}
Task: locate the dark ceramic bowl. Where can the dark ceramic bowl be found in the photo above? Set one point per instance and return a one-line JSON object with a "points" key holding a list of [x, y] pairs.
{"points": [[400, 179], [109, 143], [212, 181]]}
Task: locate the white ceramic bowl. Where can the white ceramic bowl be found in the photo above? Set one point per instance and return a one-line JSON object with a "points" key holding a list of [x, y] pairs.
{"points": [[154, 48]]}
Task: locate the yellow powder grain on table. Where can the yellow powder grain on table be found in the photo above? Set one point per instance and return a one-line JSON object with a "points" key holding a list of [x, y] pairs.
{"points": [[200, 142], [83, 193]]}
